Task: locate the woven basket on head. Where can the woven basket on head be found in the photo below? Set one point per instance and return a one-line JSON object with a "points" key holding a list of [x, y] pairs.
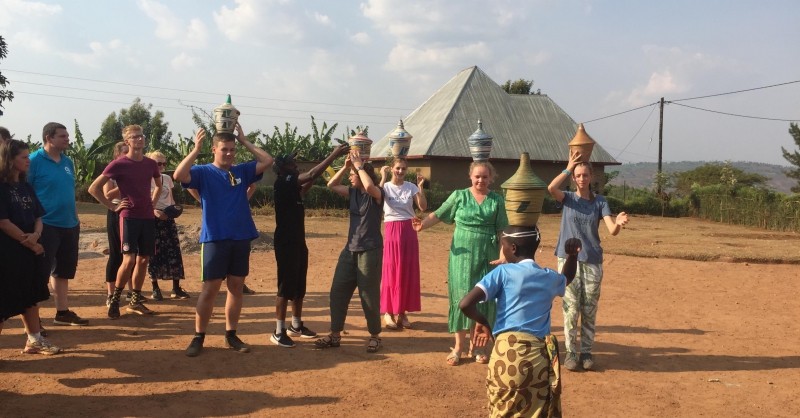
{"points": [[524, 195], [582, 143]]}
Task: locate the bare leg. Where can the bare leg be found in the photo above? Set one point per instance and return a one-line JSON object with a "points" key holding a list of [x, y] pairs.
{"points": [[233, 305], [460, 335], [297, 307], [280, 308], [60, 288], [30, 318], [205, 304], [140, 271], [125, 270]]}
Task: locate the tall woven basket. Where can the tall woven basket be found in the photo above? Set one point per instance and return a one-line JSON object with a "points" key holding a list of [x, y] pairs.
{"points": [[524, 194]]}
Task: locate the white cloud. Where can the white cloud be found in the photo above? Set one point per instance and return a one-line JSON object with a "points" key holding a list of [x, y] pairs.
{"points": [[183, 61], [405, 57], [93, 59], [30, 40], [259, 20], [327, 67], [361, 38], [538, 58], [173, 29], [11, 10], [324, 19], [658, 85]]}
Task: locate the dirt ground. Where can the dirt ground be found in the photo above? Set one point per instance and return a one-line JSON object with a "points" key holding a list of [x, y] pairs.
{"points": [[675, 337]]}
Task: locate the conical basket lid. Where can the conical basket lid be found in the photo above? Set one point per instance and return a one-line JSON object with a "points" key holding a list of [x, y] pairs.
{"points": [[361, 136], [581, 137], [524, 178], [400, 132], [479, 134], [227, 106]]}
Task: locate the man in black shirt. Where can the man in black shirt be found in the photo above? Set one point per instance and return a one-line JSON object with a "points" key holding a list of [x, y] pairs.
{"points": [[291, 253]]}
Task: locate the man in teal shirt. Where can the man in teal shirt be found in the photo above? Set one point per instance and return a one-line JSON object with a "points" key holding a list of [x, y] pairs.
{"points": [[52, 175]]}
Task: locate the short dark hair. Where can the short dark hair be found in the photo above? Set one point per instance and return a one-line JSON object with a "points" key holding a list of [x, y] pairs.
{"points": [[50, 130], [526, 245], [222, 137], [5, 134]]}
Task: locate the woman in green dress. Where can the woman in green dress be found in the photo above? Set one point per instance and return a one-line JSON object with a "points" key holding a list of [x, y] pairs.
{"points": [[479, 215]]}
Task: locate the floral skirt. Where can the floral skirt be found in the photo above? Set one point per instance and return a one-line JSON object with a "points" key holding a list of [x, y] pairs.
{"points": [[167, 263]]}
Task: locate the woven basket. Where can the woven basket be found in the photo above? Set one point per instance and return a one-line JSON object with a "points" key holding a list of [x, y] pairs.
{"points": [[524, 195], [582, 143], [361, 143], [225, 117]]}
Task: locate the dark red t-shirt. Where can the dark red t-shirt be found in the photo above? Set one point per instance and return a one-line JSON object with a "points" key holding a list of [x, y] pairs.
{"points": [[133, 179]]}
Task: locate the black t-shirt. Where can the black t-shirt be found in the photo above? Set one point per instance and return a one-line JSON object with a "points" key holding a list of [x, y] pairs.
{"points": [[19, 204], [289, 210]]}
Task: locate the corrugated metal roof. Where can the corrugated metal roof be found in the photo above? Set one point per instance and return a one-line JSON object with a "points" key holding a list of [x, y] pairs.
{"points": [[518, 123]]}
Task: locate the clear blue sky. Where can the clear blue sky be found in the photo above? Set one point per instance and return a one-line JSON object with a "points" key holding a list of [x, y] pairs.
{"points": [[592, 57]]}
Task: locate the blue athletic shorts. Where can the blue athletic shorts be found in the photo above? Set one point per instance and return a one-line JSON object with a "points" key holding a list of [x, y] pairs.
{"points": [[220, 259]]}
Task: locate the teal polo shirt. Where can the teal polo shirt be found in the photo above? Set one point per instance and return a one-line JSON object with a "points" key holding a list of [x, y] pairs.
{"points": [[54, 183]]}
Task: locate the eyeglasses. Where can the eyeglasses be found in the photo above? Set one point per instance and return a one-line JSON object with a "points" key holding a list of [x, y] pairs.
{"points": [[160, 164], [138, 137], [232, 179]]}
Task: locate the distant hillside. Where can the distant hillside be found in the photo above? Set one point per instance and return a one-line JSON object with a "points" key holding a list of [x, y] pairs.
{"points": [[641, 174]]}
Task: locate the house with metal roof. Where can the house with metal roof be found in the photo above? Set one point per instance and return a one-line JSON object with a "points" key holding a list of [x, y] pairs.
{"points": [[518, 123]]}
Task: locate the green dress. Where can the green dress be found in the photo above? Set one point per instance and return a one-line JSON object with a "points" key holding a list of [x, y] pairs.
{"points": [[474, 245]]}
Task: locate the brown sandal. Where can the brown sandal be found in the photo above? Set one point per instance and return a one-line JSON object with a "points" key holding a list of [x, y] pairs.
{"points": [[329, 341], [373, 348]]}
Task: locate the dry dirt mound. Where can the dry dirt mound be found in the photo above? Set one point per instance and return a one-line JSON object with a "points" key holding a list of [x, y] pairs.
{"points": [[190, 240]]}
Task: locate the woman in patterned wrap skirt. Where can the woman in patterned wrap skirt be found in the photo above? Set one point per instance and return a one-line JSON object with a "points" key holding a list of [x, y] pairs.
{"points": [[479, 214]]}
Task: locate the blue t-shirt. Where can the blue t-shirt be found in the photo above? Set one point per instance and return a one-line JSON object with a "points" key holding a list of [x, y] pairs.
{"points": [[580, 219], [54, 183], [524, 293], [223, 196]]}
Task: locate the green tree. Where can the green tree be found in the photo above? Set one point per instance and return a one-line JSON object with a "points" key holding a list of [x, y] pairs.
{"points": [[4, 94], [154, 127], [85, 159], [520, 86], [714, 173], [793, 157]]}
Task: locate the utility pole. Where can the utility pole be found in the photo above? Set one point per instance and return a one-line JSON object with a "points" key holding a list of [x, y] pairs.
{"points": [[660, 141]]}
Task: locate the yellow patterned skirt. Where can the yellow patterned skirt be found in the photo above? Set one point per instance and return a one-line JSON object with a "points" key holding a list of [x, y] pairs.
{"points": [[524, 376]]}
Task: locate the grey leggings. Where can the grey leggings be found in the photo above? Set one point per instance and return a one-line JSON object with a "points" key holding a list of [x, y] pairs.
{"points": [[360, 270]]}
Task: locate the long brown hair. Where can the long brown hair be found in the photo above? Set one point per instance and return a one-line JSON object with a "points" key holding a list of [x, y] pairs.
{"points": [[8, 151], [370, 170]]}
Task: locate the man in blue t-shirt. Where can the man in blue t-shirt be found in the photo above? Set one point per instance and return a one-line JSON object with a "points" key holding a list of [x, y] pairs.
{"points": [[227, 227], [52, 176], [524, 293]]}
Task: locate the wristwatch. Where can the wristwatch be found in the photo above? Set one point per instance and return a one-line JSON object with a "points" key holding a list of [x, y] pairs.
{"points": [[359, 168]]}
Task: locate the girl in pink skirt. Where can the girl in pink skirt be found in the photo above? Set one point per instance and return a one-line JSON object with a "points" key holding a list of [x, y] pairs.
{"points": [[400, 285]]}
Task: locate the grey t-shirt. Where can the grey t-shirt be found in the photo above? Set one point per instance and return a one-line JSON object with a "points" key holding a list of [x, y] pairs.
{"points": [[365, 221], [580, 219]]}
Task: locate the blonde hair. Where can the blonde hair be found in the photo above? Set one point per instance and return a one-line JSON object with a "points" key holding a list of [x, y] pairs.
{"points": [[398, 160], [488, 165], [130, 128], [156, 154], [118, 148]]}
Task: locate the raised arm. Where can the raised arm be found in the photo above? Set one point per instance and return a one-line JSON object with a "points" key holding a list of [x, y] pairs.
{"points": [[320, 168], [264, 160], [422, 201], [384, 175], [251, 189], [574, 158], [335, 182], [372, 189], [614, 226], [183, 170]]}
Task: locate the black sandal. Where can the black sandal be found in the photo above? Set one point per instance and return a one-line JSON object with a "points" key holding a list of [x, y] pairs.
{"points": [[329, 341], [373, 348]]}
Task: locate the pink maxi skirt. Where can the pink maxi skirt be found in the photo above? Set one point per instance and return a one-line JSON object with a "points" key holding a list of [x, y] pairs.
{"points": [[400, 282]]}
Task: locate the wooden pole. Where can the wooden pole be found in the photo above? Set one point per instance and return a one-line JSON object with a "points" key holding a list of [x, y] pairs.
{"points": [[660, 141]]}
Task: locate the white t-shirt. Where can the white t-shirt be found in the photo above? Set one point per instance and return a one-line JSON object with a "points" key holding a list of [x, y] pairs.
{"points": [[398, 205], [166, 197]]}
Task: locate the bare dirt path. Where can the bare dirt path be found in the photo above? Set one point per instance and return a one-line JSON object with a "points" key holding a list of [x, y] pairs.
{"points": [[674, 338]]}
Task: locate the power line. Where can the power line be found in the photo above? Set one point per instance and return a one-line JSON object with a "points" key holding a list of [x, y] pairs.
{"points": [[615, 114], [187, 109], [197, 101], [199, 92], [637, 132], [734, 114], [738, 91]]}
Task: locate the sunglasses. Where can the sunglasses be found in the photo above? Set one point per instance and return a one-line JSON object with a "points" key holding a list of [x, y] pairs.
{"points": [[160, 164]]}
